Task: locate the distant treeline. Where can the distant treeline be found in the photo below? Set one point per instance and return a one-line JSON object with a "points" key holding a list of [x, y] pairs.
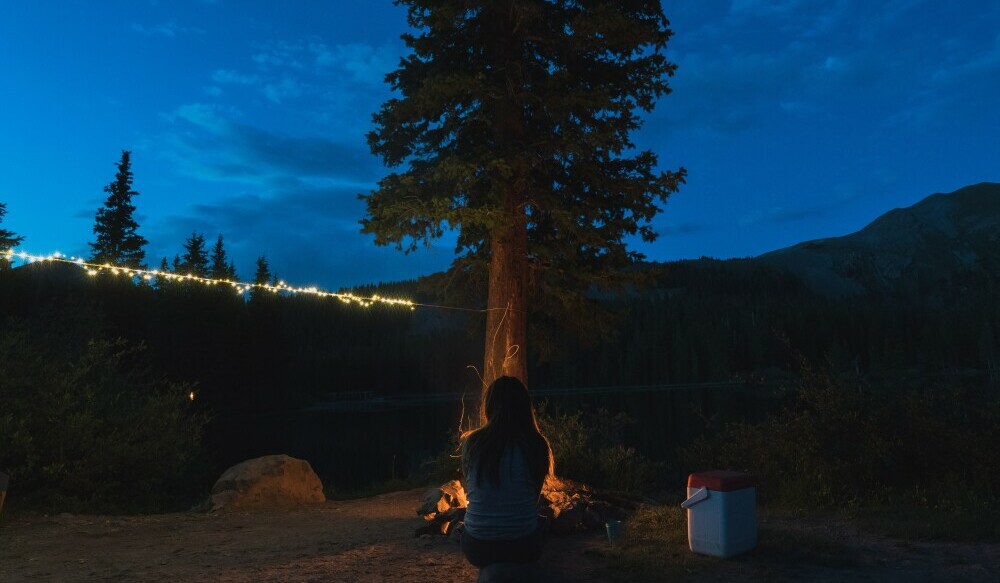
{"points": [[268, 352], [702, 321], [708, 320]]}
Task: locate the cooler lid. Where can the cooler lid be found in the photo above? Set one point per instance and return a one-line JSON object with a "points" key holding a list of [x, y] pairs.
{"points": [[721, 480]]}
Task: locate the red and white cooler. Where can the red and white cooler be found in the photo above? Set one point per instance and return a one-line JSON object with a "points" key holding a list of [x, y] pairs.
{"points": [[722, 513]]}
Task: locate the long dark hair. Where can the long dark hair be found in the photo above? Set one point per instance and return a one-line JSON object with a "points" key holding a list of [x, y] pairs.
{"points": [[510, 422]]}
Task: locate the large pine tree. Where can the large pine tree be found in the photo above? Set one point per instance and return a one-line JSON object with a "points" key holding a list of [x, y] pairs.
{"points": [[8, 240], [116, 241], [512, 126]]}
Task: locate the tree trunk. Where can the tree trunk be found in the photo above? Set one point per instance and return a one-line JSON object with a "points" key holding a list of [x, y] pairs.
{"points": [[506, 318]]}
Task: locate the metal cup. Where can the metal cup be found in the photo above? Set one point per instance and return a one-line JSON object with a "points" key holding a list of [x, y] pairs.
{"points": [[614, 530]]}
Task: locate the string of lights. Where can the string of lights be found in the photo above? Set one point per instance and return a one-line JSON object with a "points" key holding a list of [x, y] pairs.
{"points": [[240, 287]]}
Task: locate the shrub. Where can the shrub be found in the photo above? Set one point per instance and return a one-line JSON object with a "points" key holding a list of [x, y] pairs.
{"points": [[447, 465], [84, 426], [835, 445], [590, 447]]}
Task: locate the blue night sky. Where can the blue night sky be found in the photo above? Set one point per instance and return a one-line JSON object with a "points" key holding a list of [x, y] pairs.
{"points": [[795, 119]]}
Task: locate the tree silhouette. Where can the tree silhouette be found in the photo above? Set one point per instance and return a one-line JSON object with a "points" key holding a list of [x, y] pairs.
{"points": [[260, 277], [8, 239], [222, 268], [195, 258], [512, 125], [160, 279], [116, 241]]}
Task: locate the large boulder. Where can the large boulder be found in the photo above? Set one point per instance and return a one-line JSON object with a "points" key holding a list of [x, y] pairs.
{"points": [[267, 482]]}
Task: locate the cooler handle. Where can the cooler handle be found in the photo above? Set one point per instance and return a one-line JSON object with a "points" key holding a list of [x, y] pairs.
{"points": [[698, 495]]}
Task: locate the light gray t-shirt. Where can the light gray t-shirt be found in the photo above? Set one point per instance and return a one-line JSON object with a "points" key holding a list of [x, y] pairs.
{"points": [[503, 512]]}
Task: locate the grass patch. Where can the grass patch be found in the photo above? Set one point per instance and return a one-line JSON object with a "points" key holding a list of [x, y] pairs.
{"points": [[786, 547], [655, 548], [932, 524]]}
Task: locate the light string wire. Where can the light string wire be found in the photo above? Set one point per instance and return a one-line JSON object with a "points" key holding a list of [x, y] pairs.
{"points": [[241, 287]]}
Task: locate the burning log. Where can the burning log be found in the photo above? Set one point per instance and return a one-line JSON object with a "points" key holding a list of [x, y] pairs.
{"points": [[445, 523], [439, 500], [576, 506]]}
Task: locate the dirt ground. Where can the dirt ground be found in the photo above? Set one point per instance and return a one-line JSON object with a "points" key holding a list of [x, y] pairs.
{"points": [[372, 540], [830, 550], [351, 541]]}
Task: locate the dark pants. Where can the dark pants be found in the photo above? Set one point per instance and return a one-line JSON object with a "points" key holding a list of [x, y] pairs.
{"points": [[521, 550]]}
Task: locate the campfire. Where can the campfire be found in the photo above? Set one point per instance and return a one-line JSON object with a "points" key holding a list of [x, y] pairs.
{"points": [[566, 505]]}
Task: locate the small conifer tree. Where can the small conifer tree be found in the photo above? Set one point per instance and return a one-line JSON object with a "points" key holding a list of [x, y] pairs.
{"points": [[161, 280], [116, 240], [222, 268], [260, 277], [8, 240], [195, 258]]}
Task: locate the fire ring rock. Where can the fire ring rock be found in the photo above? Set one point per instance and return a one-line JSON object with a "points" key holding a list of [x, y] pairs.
{"points": [[267, 482]]}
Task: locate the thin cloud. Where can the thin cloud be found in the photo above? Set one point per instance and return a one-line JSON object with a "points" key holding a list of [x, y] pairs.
{"points": [[305, 70], [210, 146], [738, 69], [836, 198], [764, 8], [685, 228], [299, 202], [309, 235], [364, 63], [286, 88], [225, 76], [777, 215], [167, 29], [726, 92]]}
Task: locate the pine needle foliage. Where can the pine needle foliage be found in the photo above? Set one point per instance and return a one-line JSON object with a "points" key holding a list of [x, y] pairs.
{"points": [[195, 258], [8, 239], [526, 107], [222, 267], [116, 240]]}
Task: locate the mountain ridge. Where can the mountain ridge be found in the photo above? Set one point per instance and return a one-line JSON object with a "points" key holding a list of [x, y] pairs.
{"points": [[938, 238]]}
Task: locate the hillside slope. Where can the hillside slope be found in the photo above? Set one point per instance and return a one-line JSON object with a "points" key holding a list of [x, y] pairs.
{"points": [[938, 241]]}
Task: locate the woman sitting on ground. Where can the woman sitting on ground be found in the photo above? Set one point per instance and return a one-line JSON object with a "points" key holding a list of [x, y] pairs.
{"points": [[505, 463]]}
